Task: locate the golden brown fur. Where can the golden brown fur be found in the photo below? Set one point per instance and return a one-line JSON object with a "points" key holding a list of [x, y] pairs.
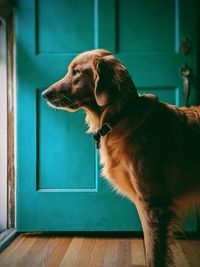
{"points": [[152, 154]]}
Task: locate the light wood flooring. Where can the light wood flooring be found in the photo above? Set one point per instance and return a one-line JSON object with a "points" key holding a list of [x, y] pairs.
{"points": [[37, 250]]}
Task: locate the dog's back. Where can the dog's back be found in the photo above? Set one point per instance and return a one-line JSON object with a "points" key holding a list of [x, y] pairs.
{"points": [[169, 142]]}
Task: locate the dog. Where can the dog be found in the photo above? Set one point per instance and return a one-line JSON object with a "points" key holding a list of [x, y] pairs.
{"points": [[149, 150]]}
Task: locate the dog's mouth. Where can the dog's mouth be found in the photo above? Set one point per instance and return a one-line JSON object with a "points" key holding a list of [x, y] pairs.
{"points": [[61, 101]]}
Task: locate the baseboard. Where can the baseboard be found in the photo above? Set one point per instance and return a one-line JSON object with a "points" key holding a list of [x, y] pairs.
{"points": [[7, 237]]}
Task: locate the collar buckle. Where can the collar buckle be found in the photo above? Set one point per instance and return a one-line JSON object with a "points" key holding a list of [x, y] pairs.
{"points": [[105, 129]]}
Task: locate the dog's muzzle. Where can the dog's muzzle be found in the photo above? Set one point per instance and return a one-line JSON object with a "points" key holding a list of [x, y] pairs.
{"points": [[48, 95]]}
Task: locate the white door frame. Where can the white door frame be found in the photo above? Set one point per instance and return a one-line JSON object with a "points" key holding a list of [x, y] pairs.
{"points": [[7, 101], [3, 129]]}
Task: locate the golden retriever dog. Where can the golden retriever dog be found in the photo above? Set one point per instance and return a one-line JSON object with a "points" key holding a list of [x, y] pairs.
{"points": [[150, 150]]}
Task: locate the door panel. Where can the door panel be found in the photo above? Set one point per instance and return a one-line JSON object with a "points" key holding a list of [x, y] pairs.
{"points": [[60, 28], [153, 31], [57, 156], [59, 186], [151, 52]]}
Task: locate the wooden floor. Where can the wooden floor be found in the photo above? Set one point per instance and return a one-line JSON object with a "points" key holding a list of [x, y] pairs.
{"points": [[34, 250]]}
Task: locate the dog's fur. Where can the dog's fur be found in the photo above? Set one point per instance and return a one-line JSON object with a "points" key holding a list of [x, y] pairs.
{"points": [[152, 154]]}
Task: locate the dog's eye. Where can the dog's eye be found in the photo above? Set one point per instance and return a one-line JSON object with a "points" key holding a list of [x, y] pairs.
{"points": [[75, 71]]}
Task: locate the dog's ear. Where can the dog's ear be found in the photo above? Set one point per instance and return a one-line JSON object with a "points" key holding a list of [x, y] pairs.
{"points": [[111, 80], [102, 78]]}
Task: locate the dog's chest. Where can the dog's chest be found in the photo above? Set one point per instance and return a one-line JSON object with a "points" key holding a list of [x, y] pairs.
{"points": [[116, 169], [111, 154]]}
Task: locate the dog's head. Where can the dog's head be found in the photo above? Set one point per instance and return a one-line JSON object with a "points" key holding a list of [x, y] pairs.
{"points": [[94, 79]]}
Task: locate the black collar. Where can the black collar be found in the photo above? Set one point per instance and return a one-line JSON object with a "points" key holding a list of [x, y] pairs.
{"points": [[107, 127], [104, 130]]}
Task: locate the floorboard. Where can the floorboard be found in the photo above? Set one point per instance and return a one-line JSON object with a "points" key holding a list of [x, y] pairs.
{"points": [[39, 250]]}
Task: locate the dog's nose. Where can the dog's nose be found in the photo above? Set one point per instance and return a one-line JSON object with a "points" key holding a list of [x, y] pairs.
{"points": [[47, 94]]}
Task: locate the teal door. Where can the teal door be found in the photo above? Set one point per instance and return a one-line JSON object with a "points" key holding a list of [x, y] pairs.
{"points": [[59, 187]]}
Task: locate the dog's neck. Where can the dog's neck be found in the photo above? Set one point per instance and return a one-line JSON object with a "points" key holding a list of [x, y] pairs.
{"points": [[93, 120], [97, 117], [138, 107], [107, 125]]}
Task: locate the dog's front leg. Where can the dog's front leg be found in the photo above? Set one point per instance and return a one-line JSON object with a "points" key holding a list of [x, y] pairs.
{"points": [[156, 223]]}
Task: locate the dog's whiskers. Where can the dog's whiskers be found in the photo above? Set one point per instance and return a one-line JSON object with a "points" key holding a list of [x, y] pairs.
{"points": [[66, 98]]}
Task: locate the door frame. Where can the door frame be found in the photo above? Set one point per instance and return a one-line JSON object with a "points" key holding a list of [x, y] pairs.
{"points": [[7, 128], [3, 128]]}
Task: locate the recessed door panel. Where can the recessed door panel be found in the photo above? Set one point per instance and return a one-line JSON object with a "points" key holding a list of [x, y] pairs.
{"points": [[66, 155], [63, 26]]}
